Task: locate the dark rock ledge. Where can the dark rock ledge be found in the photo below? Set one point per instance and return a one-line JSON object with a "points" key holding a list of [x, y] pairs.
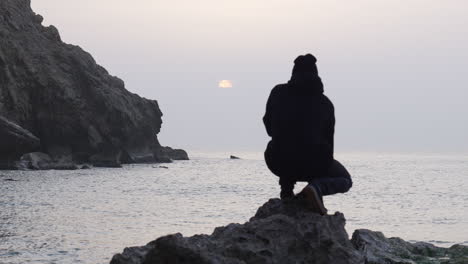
{"points": [[286, 232]]}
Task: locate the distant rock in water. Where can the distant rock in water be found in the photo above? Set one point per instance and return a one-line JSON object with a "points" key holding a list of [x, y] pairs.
{"points": [[85, 167], [283, 233], [56, 93], [234, 157]]}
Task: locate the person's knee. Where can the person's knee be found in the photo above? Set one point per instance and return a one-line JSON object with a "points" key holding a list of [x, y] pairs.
{"points": [[337, 169], [348, 185]]}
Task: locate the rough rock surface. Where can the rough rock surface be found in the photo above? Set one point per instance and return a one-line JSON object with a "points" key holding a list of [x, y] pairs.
{"points": [[378, 249], [287, 232], [58, 93], [279, 233], [14, 140], [42, 161], [167, 154]]}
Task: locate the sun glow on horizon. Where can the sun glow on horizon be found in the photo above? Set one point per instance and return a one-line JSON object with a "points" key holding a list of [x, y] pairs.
{"points": [[225, 84]]}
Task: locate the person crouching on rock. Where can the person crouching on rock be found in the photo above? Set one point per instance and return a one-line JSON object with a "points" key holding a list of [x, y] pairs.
{"points": [[300, 119]]}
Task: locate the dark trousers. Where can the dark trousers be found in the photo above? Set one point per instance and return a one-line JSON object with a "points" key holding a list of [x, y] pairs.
{"points": [[335, 179]]}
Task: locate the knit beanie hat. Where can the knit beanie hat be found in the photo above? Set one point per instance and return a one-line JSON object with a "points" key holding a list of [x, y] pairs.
{"points": [[305, 64]]}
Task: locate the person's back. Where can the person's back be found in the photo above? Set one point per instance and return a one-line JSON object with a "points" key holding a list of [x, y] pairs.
{"points": [[300, 119]]}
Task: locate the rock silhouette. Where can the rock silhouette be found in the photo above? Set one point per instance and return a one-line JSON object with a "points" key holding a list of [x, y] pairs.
{"points": [[286, 232], [59, 94]]}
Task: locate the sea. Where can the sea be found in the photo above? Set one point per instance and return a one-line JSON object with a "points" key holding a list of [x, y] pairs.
{"points": [[87, 216]]}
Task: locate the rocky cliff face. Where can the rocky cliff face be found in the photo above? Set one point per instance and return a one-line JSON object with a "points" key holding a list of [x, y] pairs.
{"points": [[58, 93], [286, 232], [14, 140]]}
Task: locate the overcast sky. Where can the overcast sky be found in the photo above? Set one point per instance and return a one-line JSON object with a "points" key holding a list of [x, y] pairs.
{"points": [[397, 71]]}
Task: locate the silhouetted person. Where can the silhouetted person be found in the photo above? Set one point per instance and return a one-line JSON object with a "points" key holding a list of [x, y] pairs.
{"points": [[301, 121]]}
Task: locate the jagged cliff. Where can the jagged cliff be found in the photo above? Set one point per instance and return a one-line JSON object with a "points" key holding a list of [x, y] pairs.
{"points": [[59, 94], [287, 232]]}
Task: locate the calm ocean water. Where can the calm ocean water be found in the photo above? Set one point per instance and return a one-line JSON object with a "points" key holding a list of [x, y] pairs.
{"points": [[87, 216]]}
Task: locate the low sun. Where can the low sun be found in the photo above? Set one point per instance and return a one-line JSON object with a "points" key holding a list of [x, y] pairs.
{"points": [[225, 84]]}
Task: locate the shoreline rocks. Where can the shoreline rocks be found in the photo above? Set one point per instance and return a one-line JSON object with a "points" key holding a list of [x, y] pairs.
{"points": [[167, 154], [286, 232], [376, 248], [55, 99], [42, 161]]}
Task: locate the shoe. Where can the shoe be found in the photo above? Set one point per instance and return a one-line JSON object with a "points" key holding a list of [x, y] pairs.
{"points": [[285, 195], [313, 200]]}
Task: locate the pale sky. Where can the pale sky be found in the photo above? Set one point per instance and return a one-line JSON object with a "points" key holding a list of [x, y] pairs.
{"points": [[396, 71]]}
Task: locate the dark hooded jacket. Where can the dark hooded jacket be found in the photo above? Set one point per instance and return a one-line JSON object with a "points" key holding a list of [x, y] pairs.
{"points": [[300, 120]]}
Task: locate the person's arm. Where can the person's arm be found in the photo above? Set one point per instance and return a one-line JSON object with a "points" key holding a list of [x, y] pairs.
{"points": [[331, 134], [267, 116]]}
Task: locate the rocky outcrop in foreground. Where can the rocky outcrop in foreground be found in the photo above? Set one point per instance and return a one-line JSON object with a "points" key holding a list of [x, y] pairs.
{"points": [[286, 232], [63, 104]]}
